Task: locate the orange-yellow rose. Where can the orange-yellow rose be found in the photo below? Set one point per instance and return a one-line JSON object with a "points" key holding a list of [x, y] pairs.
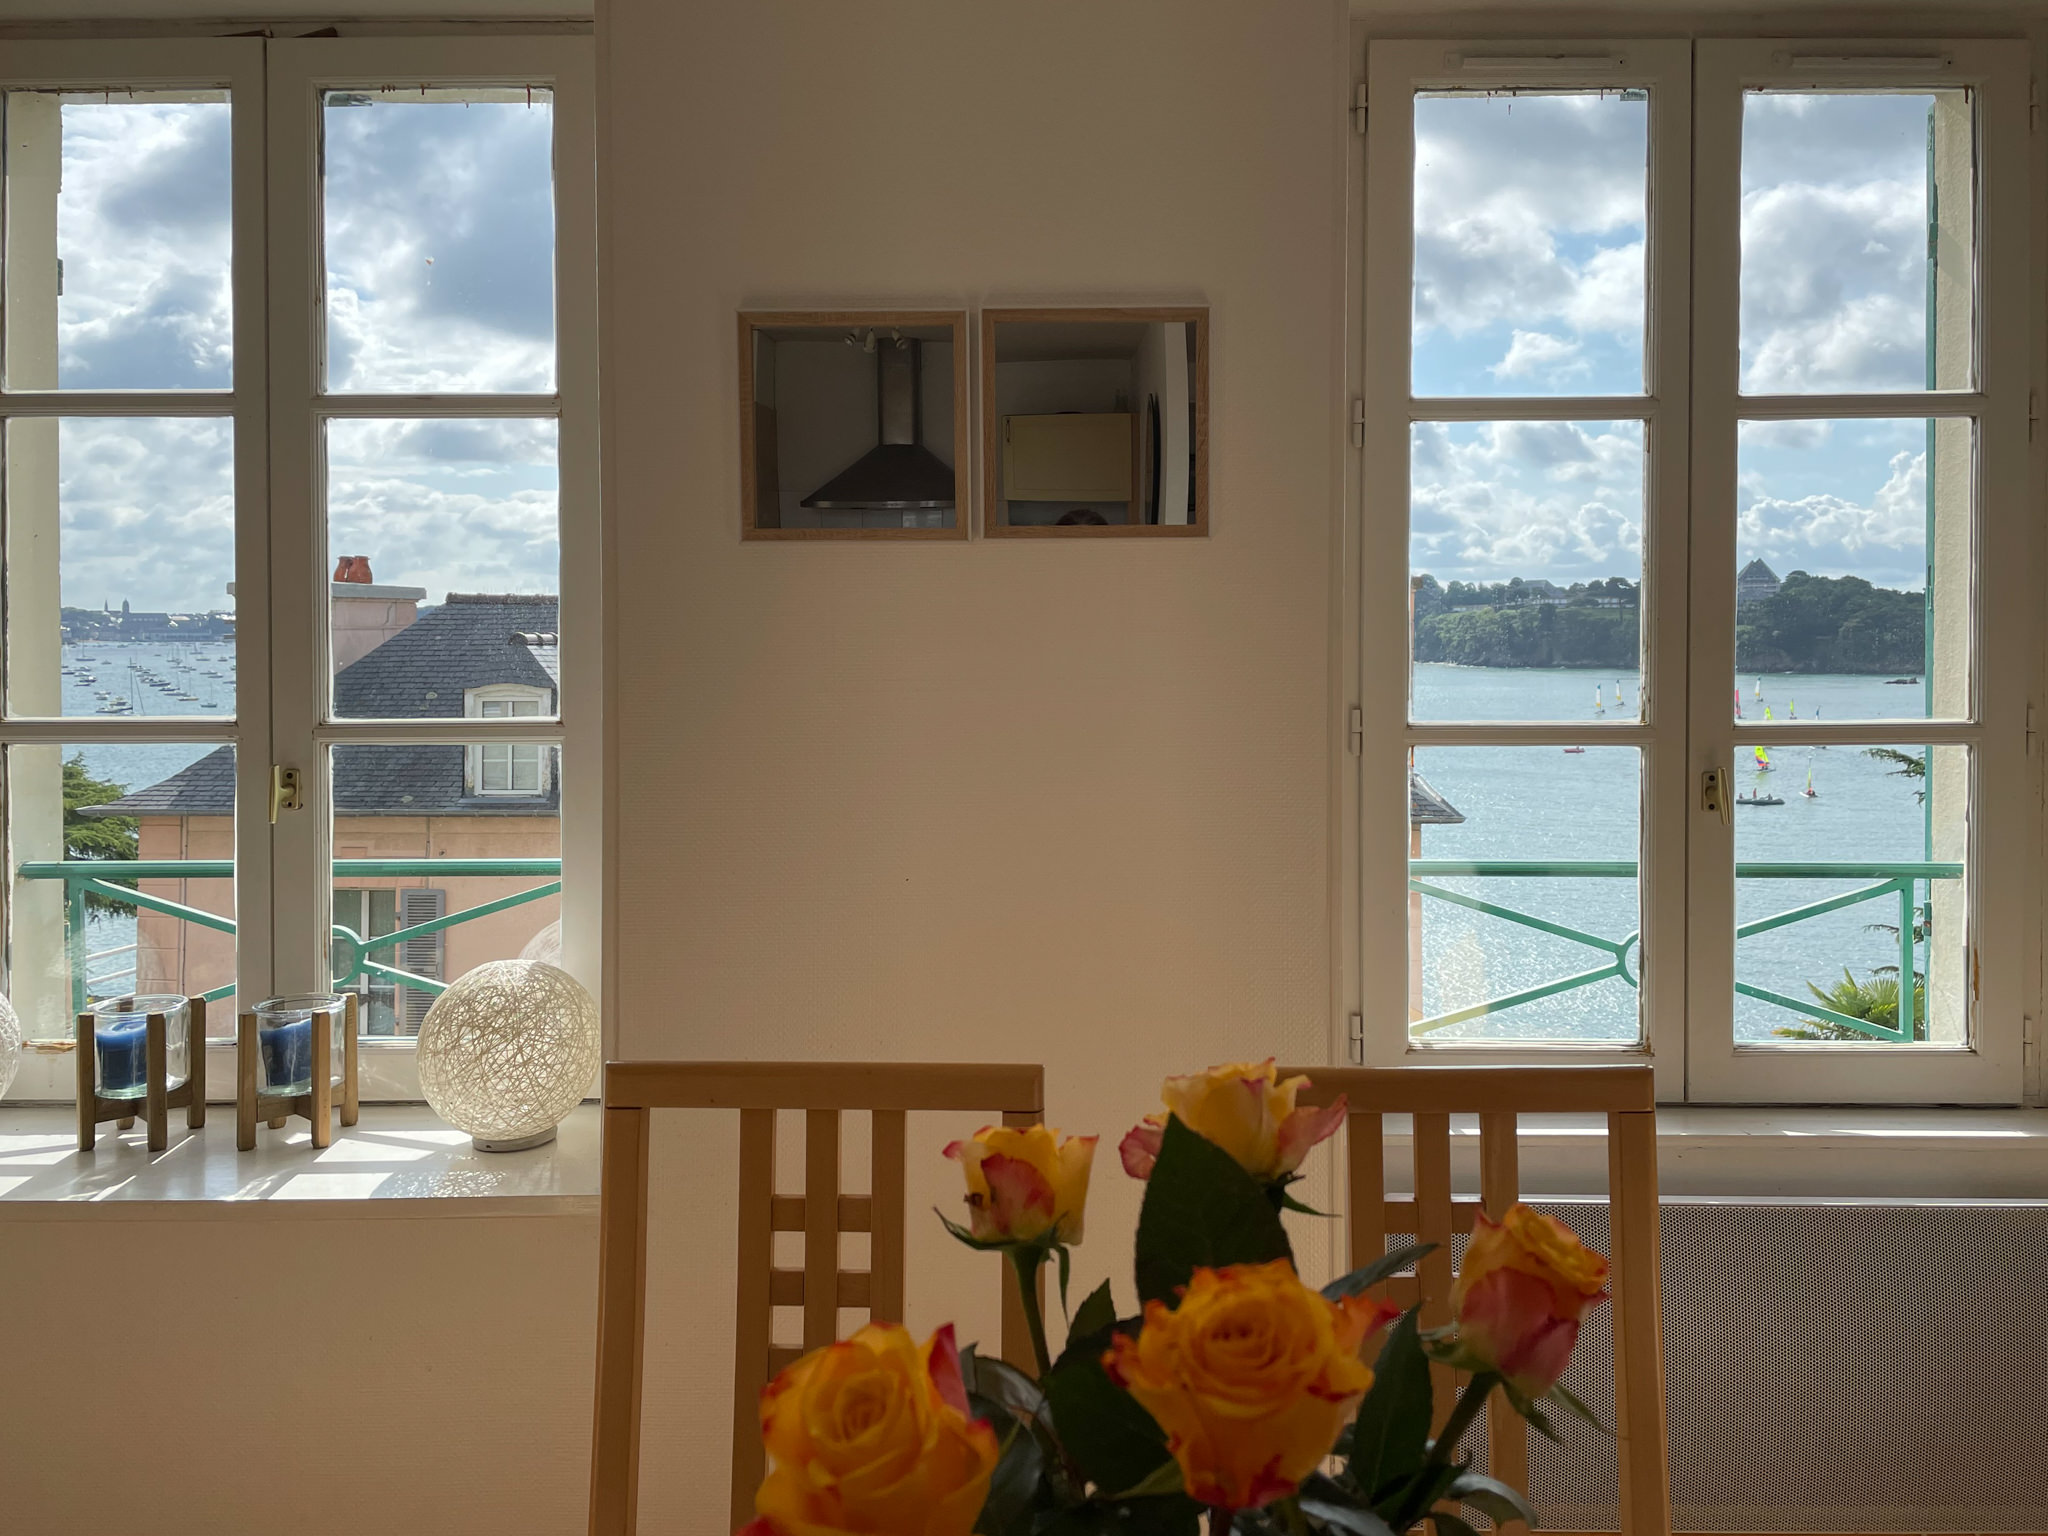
{"points": [[872, 1435], [1023, 1184], [1252, 1377], [1246, 1110], [1527, 1281]]}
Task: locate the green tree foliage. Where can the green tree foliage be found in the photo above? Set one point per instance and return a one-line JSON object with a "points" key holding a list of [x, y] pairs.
{"points": [[1531, 636], [1831, 624], [95, 837], [1876, 1000]]}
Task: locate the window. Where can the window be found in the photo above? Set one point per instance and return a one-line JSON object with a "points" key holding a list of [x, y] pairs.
{"points": [[299, 390], [1695, 389], [508, 767]]}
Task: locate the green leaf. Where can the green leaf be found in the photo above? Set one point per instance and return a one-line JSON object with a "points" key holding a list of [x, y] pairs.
{"points": [[1391, 1435], [1450, 1525], [1538, 1420], [1418, 1495], [1494, 1499], [1002, 1381], [1289, 1203], [1571, 1400], [1164, 1478], [1108, 1436], [1201, 1210], [1365, 1278], [1097, 1314], [1065, 1311], [1329, 1502], [980, 1244], [1013, 1488], [1172, 1515]]}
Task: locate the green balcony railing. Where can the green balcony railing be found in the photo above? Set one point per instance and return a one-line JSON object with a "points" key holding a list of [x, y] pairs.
{"points": [[351, 951], [1899, 881]]}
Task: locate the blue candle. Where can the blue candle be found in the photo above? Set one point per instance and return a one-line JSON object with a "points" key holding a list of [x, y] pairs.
{"points": [[122, 1044], [287, 1051]]}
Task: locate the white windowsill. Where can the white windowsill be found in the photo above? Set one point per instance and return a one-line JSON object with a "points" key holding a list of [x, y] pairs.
{"points": [[400, 1160], [397, 1160]]}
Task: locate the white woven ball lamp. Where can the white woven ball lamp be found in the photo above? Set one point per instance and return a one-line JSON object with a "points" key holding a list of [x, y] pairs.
{"points": [[10, 1046], [507, 1051]]}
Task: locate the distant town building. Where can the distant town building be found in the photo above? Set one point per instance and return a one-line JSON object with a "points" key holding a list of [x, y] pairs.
{"points": [[1755, 580]]}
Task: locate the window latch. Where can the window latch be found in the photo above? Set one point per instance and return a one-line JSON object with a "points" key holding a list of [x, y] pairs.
{"points": [[284, 790], [1714, 797]]}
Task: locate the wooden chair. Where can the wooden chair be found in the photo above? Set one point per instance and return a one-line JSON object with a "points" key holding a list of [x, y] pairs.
{"points": [[1497, 1095], [822, 1091]]}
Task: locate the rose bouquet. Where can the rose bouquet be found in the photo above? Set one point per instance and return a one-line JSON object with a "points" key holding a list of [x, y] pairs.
{"points": [[1237, 1391]]}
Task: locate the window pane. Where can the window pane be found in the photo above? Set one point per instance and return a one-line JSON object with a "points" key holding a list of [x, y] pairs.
{"points": [[170, 806], [1852, 591], [1529, 237], [120, 549], [442, 539], [1857, 252], [1526, 544], [118, 240], [440, 231], [1522, 905], [409, 835], [1849, 875]]}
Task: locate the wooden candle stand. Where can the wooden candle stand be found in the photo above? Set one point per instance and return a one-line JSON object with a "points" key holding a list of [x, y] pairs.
{"points": [[156, 1104], [317, 1104]]}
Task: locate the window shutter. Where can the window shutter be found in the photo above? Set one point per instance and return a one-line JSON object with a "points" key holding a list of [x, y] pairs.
{"points": [[421, 955]]}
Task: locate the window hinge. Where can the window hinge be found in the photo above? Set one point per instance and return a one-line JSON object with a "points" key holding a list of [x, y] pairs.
{"points": [[1358, 107], [284, 790], [2030, 730], [1358, 422], [1357, 1040], [1357, 731], [2033, 414]]}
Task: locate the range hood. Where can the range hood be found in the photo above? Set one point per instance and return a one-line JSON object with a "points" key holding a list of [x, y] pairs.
{"points": [[899, 474]]}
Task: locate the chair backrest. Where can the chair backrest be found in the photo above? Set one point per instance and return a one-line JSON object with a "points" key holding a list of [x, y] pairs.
{"points": [[1429, 1096], [823, 1091]]}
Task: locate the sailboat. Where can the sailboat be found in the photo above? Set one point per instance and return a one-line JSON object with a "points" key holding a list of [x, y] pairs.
{"points": [[1599, 708], [1792, 709], [1767, 711], [1810, 792], [1759, 687], [1738, 703], [1617, 693], [1763, 761]]}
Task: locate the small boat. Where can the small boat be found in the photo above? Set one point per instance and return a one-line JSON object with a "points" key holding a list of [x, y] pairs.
{"points": [[1895, 682], [1810, 792], [1759, 687], [1763, 761], [1574, 750], [1758, 799]]}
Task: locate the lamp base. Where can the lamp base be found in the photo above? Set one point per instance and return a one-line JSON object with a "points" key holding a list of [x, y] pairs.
{"points": [[513, 1143]]}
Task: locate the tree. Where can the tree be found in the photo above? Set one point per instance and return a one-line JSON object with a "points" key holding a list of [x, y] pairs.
{"points": [[1906, 766], [95, 837], [1876, 1000]]}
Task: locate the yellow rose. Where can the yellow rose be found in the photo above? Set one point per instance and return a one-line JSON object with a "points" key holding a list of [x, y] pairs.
{"points": [[872, 1435], [1526, 1282], [1022, 1184], [1252, 1377], [1247, 1111]]}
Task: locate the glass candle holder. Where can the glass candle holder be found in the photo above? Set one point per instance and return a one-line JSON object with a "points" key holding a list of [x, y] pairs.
{"points": [[120, 1043], [284, 1040]]}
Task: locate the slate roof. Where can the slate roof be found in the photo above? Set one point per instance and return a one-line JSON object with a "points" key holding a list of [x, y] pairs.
{"points": [[1427, 807], [421, 673]]}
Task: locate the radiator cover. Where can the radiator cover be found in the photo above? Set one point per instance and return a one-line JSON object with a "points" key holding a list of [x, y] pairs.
{"points": [[1831, 1366]]}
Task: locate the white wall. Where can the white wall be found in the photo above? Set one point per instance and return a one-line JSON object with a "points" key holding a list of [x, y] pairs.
{"points": [[1042, 800]]}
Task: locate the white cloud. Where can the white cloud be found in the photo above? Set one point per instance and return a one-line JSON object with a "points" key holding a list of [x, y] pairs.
{"points": [[1538, 354], [1499, 499]]}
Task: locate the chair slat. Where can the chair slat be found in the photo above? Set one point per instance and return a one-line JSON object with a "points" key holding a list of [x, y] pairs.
{"points": [[785, 1287], [1432, 1147], [1365, 1152], [1402, 1221], [753, 1362], [1507, 1435], [621, 1325], [860, 1085], [1588, 1090], [1635, 1283], [821, 1227], [856, 1213], [885, 1218], [780, 1358]]}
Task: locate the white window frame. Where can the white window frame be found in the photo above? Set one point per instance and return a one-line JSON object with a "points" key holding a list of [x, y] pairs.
{"points": [[475, 758], [283, 878], [1686, 879]]}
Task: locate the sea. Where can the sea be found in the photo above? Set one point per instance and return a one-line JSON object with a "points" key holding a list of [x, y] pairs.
{"points": [[1517, 802], [1544, 803]]}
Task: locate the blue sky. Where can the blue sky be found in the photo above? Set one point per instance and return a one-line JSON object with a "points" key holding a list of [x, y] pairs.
{"points": [[1529, 260], [439, 252]]}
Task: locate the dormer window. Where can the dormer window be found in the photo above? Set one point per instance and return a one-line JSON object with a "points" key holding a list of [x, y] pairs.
{"points": [[506, 767]]}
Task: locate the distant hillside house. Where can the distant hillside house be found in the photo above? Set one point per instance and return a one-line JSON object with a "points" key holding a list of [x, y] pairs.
{"points": [[475, 655], [1755, 580]]}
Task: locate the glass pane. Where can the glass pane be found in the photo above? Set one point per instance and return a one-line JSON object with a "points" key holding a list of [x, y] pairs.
{"points": [[414, 843], [440, 240], [1522, 906], [120, 551], [1530, 211], [1526, 544], [1857, 259], [443, 546], [79, 933], [1849, 875], [118, 240], [1852, 588]]}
